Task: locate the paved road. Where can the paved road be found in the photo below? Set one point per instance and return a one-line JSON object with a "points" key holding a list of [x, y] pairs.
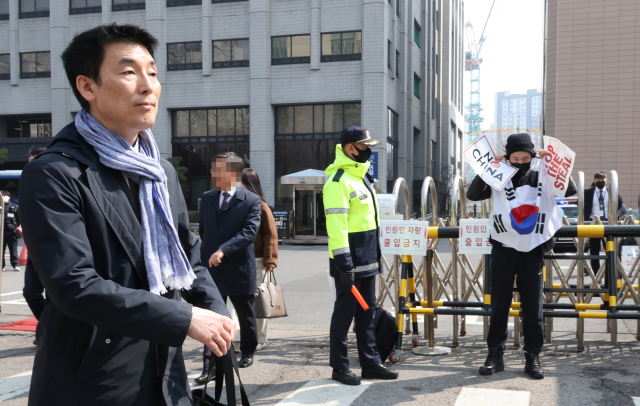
{"points": [[293, 368]]}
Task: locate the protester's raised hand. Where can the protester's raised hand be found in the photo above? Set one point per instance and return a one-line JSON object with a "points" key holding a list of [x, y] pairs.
{"points": [[541, 153], [212, 329], [498, 158]]}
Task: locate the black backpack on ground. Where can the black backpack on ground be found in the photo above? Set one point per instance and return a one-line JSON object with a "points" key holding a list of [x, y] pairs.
{"points": [[386, 332]]}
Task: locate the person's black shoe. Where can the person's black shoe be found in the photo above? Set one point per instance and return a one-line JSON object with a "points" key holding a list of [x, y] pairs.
{"points": [[532, 366], [345, 377], [379, 372], [494, 362], [202, 379], [246, 360]]}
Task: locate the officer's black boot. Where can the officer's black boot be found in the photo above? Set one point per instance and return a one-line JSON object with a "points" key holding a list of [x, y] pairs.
{"points": [[494, 362], [532, 366]]}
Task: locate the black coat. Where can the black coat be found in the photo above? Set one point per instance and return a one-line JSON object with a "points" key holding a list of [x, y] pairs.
{"points": [[588, 203], [11, 220], [479, 190], [104, 339], [233, 231]]}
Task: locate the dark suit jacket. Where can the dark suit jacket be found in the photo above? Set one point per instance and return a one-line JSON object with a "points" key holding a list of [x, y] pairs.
{"points": [[104, 339], [233, 231], [588, 203]]}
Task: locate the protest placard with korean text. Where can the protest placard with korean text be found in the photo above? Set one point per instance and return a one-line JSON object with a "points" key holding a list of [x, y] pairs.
{"points": [[402, 237], [474, 236], [560, 160], [481, 158]]}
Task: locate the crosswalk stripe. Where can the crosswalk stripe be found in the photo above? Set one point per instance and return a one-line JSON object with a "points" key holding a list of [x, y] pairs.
{"points": [[325, 392], [492, 397], [12, 293], [15, 385]]}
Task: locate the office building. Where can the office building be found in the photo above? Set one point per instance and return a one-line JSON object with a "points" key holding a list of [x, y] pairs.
{"points": [[591, 102], [272, 80]]}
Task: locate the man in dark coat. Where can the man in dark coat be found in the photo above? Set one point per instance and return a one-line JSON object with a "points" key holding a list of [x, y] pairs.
{"points": [[229, 223], [104, 338], [596, 203], [11, 232]]}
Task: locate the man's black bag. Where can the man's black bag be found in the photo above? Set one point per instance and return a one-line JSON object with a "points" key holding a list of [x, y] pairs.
{"points": [[225, 368], [386, 332]]}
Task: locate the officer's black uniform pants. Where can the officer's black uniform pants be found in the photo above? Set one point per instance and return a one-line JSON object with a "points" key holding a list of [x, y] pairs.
{"points": [[344, 310], [506, 263], [594, 249], [10, 241]]}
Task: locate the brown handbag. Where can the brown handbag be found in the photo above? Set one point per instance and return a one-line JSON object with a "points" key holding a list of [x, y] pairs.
{"points": [[269, 299]]}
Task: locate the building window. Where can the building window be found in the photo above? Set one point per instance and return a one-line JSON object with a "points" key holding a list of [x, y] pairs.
{"points": [[231, 53], [416, 33], [35, 65], [434, 147], [315, 122], [85, 6], [341, 46], [226, 1], [398, 64], [389, 55], [392, 149], [290, 50], [123, 5], [223, 123], [34, 8], [184, 56], [5, 67], [29, 127], [416, 85], [177, 3], [4, 10]]}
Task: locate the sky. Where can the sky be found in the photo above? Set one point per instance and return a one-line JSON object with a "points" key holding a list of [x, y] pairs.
{"points": [[512, 53]]}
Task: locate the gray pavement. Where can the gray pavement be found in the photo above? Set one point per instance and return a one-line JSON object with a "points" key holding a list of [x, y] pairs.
{"points": [[293, 368]]}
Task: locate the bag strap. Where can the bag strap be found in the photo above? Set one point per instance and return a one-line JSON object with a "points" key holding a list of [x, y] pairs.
{"points": [[225, 367]]}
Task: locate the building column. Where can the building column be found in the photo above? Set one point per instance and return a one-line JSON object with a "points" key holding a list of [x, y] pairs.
{"points": [[262, 145], [316, 38], [60, 88], [14, 55], [106, 11], [207, 44], [374, 75], [156, 25]]}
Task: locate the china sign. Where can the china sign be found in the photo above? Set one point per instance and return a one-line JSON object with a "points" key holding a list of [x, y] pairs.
{"points": [[481, 158]]}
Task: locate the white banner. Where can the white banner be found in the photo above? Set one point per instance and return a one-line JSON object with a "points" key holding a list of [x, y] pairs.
{"points": [[481, 158], [403, 237], [629, 255], [560, 160], [386, 205], [474, 236]]}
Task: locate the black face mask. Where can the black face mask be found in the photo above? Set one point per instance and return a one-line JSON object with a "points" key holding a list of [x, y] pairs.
{"points": [[522, 168], [363, 156], [601, 184]]}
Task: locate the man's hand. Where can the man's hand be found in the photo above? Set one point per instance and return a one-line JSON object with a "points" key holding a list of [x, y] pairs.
{"points": [[348, 278], [498, 158], [213, 330], [216, 258], [541, 153]]}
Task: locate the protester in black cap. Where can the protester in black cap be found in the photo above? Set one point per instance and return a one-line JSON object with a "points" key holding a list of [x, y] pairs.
{"points": [[353, 223], [507, 261]]}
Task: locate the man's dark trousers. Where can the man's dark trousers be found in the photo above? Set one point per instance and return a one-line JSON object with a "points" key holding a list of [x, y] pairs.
{"points": [[344, 310], [506, 263], [11, 241], [594, 249], [244, 306]]}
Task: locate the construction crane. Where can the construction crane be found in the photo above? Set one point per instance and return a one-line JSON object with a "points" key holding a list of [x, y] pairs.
{"points": [[472, 64]]}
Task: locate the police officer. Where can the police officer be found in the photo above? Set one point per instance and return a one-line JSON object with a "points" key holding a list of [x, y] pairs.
{"points": [[521, 233], [354, 254]]}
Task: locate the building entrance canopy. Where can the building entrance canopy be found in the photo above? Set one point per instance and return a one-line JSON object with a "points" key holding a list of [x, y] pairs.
{"points": [[306, 177]]}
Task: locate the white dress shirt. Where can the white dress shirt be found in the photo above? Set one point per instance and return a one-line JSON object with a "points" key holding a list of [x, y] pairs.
{"points": [[595, 207]]}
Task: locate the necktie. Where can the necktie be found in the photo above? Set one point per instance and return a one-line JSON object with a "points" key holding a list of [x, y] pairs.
{"points": [[601, 198], [225, 201]]}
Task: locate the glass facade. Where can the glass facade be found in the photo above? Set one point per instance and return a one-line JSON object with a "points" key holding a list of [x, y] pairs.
{"points": [[341, 46], [290, 50], [35, 65], [198, 135], [231, 53], [5, 66], [184, 56]]}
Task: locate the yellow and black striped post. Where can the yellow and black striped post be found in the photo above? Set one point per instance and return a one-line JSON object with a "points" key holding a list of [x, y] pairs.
{"points": [[407, 261]]}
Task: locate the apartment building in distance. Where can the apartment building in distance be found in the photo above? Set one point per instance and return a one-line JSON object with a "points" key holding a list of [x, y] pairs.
{"points": [[273, 80]]}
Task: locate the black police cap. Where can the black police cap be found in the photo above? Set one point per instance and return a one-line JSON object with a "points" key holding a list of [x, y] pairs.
{"points": [[358, 135]]}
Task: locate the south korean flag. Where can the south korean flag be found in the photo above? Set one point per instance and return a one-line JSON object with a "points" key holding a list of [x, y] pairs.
{"points": [[525, 217]]}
